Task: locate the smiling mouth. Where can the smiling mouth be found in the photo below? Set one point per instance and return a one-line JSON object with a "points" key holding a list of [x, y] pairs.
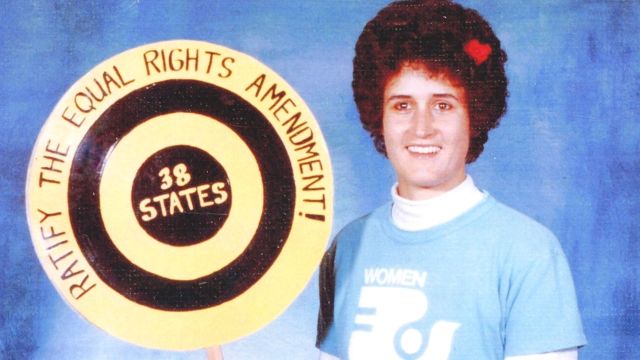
{"points": [[428, 149]]}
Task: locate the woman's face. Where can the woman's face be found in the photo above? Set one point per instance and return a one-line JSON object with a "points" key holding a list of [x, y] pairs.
{"points": [[426, 132]]}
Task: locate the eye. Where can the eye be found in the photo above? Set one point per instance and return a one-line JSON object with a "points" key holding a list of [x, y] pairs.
{"points": [[443, 106], [401, 106]]}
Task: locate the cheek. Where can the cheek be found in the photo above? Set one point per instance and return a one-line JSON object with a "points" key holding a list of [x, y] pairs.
{"points": [[464, 140], [462, 131], [392, 140], [464, 135], [387, 130], [393, 125]]}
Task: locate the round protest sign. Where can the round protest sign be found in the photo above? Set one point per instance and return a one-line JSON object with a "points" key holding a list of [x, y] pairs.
{"points": [[180, 195]]}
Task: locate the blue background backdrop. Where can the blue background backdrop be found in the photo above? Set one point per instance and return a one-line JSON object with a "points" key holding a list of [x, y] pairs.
{"points": [[566, 152]]}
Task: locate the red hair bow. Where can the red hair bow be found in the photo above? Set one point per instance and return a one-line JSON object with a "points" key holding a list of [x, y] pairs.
{"points": [[478, 51]]}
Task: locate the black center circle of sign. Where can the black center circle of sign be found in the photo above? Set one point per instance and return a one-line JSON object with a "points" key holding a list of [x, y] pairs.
{"points": [[251, 126], [181, 195]]}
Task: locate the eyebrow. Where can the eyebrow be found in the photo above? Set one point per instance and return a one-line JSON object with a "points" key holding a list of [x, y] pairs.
{"points": [[398, 97], [439, 96], [446, 96]]}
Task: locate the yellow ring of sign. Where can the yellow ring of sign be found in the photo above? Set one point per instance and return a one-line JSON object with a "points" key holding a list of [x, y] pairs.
{"points": [[48, 209], [177, 262]]}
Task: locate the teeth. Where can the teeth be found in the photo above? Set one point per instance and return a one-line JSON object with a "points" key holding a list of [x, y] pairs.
{"points": [[424, 149]]}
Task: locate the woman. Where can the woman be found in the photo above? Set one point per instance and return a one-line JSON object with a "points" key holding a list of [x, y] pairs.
{"points": [[444, 271]]}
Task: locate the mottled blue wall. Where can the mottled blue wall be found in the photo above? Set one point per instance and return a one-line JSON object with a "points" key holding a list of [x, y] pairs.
{"points": [[566, 152]]}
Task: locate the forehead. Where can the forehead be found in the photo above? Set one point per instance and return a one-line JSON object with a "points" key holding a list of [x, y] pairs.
{"points": [[416, 78]]}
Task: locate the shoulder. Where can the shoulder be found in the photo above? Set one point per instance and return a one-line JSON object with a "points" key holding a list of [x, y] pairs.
{"points": [[349, 239], [520, 234], [523, 242], [353, 231], [506, 219]]}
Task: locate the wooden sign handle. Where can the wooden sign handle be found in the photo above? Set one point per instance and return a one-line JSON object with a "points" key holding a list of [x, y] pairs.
{"points": [[214, 353]]}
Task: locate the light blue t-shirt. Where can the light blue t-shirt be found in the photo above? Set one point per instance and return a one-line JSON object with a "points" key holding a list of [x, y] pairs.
{"points": [[491, 283]]}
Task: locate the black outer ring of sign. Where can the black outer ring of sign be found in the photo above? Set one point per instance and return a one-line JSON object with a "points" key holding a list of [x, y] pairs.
{"points": [[113, 267]]}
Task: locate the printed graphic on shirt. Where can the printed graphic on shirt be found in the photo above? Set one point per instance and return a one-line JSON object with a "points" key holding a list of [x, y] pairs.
{"points": [[391, 312]]}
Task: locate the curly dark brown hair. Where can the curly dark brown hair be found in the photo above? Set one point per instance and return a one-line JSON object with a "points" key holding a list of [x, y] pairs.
{"points": [[432, 33]]}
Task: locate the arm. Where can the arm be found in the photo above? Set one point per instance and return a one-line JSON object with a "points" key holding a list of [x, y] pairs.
{"points": [[327, 283], [569, 354], [540, 304]]}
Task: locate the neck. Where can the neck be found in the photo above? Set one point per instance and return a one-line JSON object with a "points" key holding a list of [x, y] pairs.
{"points": [[424, 193], [414, 215]]}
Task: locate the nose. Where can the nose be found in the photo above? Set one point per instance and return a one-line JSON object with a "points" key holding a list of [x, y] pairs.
{"points": [[423, 122]]}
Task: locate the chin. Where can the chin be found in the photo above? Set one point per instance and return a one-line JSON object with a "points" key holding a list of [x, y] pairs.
{"points": [[434, 183]]}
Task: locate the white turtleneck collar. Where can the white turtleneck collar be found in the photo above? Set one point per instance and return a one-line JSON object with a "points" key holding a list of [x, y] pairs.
{"points": [[415, 215]]}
